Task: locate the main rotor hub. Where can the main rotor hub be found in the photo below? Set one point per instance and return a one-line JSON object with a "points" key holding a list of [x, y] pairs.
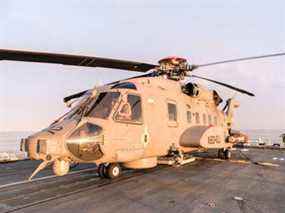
{"points": [[174, 68], [173, 60]]}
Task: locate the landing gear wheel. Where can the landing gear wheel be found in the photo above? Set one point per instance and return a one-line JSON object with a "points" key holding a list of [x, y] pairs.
{"points": [[113, 170], [102, 171], [227, 154], [221, 153]]}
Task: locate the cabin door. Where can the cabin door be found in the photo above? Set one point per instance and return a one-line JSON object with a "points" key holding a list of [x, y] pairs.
{"points": [[172, 121], [129, 129]]}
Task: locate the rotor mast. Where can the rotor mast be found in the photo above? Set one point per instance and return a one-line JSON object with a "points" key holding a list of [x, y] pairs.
{"points": [[174, 68]]}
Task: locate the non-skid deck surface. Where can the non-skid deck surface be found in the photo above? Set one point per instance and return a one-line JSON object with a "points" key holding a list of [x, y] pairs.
{"points": [[201, 186]]}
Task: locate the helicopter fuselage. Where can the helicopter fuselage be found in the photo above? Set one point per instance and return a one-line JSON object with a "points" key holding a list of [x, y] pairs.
{"points": [[133, 123]]}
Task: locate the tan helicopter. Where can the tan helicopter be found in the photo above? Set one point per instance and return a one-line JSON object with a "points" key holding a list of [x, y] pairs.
{"points": [[134, 122]]}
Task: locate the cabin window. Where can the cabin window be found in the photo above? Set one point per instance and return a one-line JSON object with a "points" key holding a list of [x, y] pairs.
{"points": [[204, 119], [210, 119], [197, 118], [130, 111], [189, 117], [104, 105], [215, 121], [172, 112]]}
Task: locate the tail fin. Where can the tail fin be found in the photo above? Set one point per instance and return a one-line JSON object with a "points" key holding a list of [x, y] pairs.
{"points": [[229, 111]]}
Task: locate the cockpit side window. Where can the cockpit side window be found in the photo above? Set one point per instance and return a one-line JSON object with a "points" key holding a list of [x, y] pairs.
{"points": [[131, 110], [103, 105]]}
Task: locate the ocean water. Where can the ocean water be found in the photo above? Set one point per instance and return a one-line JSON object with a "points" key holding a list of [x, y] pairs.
{"points": [[10, 141]]}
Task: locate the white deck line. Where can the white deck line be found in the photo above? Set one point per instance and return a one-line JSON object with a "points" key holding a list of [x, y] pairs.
{"points": [[43, 178]]}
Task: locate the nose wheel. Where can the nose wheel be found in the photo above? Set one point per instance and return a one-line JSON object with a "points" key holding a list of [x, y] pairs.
{"points": [[111, 170], [60, 167]]}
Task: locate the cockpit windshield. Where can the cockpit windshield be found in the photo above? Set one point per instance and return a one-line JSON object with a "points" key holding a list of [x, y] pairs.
{"points": [[76, 110], [103, 105]]}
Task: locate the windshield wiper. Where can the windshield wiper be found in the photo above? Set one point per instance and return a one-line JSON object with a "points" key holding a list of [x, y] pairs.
{"points": [[83, 108], [51, 132]]}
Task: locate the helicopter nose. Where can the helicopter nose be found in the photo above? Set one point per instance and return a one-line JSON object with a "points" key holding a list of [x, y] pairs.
{"points": [[85, 142]]}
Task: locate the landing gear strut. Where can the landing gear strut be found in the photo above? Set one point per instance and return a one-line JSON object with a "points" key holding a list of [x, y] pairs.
{"points": [[224, 153], [112, 170]]}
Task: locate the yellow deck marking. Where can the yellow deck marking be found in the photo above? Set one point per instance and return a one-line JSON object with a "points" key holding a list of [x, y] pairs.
{"points": [[239, 161]]}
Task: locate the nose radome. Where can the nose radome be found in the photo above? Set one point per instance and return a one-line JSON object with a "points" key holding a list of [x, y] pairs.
{"points": [[84, 143]]}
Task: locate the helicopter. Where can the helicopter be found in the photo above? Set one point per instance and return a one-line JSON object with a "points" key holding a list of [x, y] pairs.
{"points": [[134, 122]]}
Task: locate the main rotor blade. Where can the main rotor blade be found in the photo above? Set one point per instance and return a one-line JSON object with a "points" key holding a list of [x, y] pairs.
{"points": [[76, 95], [75, 60], [223, 84], [240, 59]]}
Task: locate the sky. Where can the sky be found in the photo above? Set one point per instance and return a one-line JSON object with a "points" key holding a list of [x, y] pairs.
{"points": [[202, 31]]}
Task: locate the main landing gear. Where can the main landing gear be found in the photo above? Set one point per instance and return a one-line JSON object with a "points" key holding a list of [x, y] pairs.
{"points": [[224, 154], [111, 170], [176, 157]]}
